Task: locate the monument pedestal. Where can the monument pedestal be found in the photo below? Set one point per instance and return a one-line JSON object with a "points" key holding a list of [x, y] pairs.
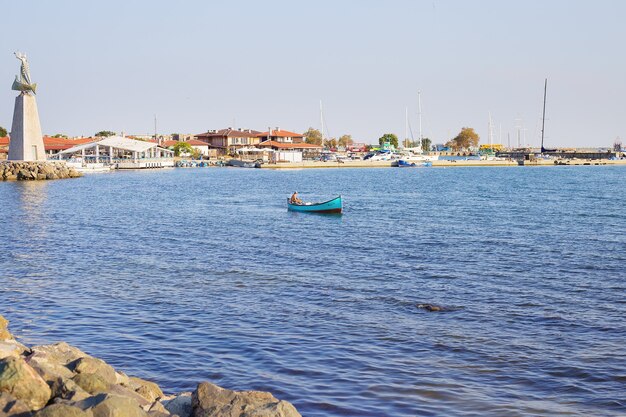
{"points": [[26, 138]]}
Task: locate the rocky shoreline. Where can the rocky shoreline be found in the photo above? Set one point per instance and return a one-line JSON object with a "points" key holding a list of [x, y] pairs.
{"points": [[60, 380], [36, 170]]}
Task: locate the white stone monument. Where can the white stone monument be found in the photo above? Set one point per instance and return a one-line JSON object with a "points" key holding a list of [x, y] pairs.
{"points": [[26, 139]]}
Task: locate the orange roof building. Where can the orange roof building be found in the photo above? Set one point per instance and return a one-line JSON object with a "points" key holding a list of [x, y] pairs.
{"points": [[282, 136]]}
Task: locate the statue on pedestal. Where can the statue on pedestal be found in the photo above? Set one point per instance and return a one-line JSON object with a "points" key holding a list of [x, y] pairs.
{"points": [[22, 82], [26, 142]]}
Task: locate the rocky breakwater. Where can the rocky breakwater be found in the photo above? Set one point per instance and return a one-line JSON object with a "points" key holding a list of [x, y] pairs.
{"points": [[60, 380], [36, 170]]}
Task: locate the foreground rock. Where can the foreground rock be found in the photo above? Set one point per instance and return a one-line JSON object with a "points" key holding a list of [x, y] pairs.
{"points": [[209, 400], [23, 382], [60, 380], [36, 170]]}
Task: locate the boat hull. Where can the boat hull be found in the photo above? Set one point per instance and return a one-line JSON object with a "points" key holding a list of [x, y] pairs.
{"points": [[244, 164], [408, 164], [333, 206]]}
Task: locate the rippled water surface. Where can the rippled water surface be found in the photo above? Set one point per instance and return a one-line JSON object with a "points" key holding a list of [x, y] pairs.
{"points": [[201, 274]]}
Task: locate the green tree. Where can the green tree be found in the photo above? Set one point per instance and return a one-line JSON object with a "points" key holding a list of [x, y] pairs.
{"points": [[105, 133], [345, 141], [330, 143], [388, 137], [465, 139], [59, 135], [408, 143], [182, 147], [313, 136], [426, 143], [3, 132]]}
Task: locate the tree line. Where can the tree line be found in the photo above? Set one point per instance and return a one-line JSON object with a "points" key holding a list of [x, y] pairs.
{"points": [[465, 139]]}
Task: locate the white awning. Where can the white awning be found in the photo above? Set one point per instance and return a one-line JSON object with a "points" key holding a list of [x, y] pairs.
{"points": [[118, 142]]}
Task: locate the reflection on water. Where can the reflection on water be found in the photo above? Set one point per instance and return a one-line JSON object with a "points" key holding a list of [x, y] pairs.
{"points": [[32, 197]]}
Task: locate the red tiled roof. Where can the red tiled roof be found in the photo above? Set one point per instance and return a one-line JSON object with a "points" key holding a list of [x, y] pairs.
{"points": [[281, 134], [281, 145], [60, 144], [55, 144], [232, 133], [194, 142]]}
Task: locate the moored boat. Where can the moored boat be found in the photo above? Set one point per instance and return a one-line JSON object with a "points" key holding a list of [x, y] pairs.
{"points": [[327, 207], [244, 164], [407, 164]]}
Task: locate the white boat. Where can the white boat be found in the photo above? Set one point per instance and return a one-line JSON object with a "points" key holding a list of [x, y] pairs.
{"points": [[411, 156], [382, 156], [416, 154], [244, 164], [90, 167]]}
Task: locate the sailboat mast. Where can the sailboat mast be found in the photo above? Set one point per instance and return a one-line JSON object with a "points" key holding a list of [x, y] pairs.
{"points": [[490, 133], [543, 119], [406, 127], [322, 124], [419, 113]]}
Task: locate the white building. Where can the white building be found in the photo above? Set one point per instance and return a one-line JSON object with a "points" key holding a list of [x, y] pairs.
{"points": [[123, 153]]}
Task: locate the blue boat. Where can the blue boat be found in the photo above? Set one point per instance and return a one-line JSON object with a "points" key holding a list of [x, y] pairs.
{"points": [[331, 206], [406, 164]]}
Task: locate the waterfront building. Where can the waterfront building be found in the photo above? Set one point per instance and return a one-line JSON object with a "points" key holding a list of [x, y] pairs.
{"points": [[291, 152], [203, 148], [227, 141], [119, 152], [281, 136]]}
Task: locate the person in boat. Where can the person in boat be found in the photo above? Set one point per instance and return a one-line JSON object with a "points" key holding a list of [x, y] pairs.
{"points": [[295, 199]]}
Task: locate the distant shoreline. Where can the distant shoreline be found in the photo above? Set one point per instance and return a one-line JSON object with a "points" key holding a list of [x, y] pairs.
{"points": [[443, 163]]}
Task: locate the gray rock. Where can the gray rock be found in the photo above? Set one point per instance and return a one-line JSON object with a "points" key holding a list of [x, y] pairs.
{"points": [[122, 379], [158, 414], [147, 389], [11, 406], [114, 406], [23, 382], [49, 370], [67, 389], [92, 383], [180, 405], [62, 410], [122, 391], [209, 400], [157, 406], [11, 347], [61, 353], [89, 365]]}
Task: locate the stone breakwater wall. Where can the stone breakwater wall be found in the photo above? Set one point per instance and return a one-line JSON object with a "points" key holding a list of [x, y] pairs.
{"points": [[36, 170], [60, 380]]}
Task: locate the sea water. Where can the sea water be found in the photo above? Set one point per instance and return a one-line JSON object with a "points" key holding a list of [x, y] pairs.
{"points": [[185, 275]]}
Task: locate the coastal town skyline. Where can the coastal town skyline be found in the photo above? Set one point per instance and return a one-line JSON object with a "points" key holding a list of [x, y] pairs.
{"points": [[210, 66]]}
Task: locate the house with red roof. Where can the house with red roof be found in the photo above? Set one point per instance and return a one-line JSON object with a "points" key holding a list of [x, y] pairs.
{"points": [[203, 148], [281, 136], [227, 141], [290, 152]]}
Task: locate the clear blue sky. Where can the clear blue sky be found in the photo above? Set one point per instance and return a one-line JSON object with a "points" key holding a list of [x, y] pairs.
{"points": [[199, 65]]}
